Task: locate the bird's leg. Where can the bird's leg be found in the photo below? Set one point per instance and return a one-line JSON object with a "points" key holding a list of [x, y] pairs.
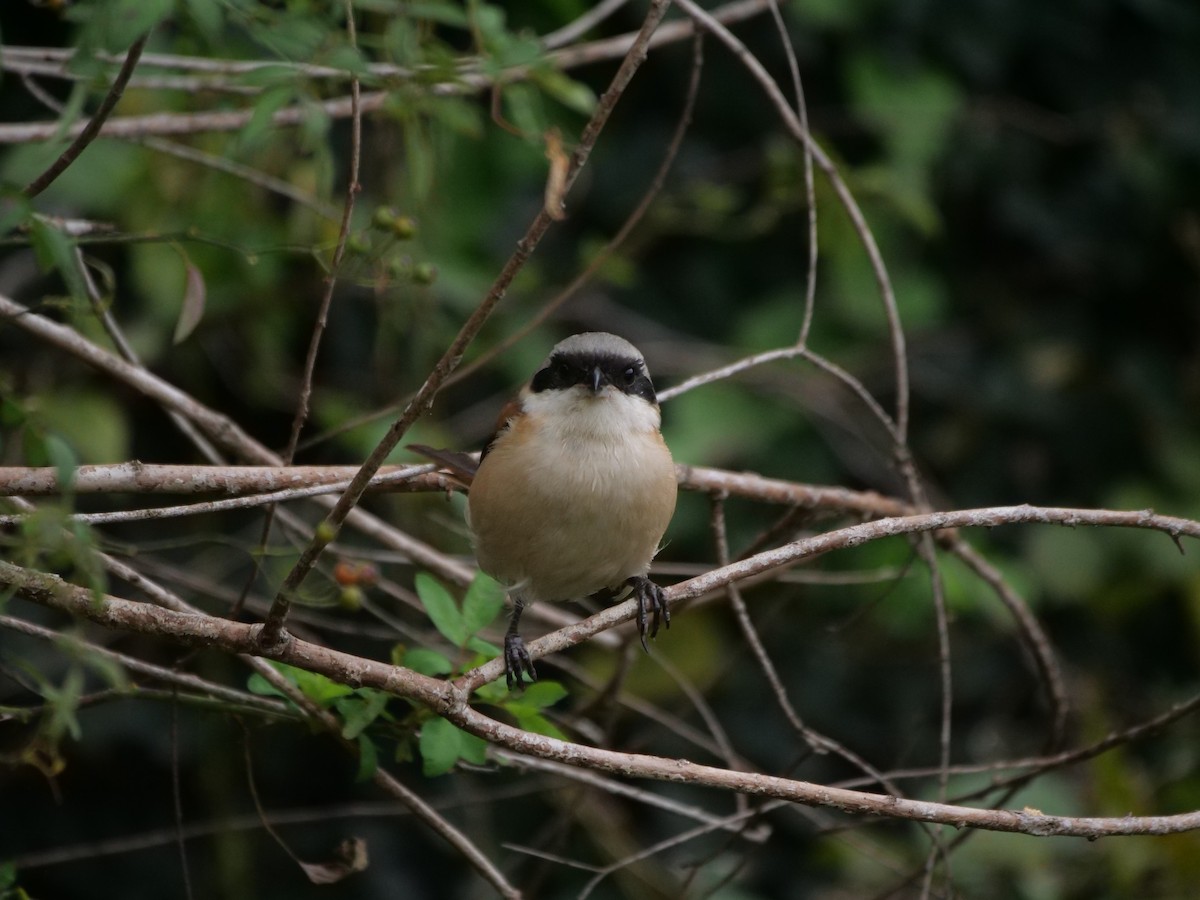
{"points": [[649, 597], [516, 658]]}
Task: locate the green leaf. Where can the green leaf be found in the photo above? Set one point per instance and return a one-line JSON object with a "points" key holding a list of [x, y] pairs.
{"points": [[420, 158], [494, 692], [14, 210], [55, 251], [485, 648], [267, 76], [293, 37], [443, 13], [207, 16], [440, 745], [459, 116], [93, 423], [530, 703], [346, 58], [256, 684], [482, 603], [11, 413], [441, 608], [321, 690], [405, 751], [539, 724], [114, 25], [8, 876], [255, 132], [570, 93], [527, 707], [379, 6], [360, 710], [472, 749], [61, 705], [62, 457], [427, 662], [131, 19], [542, 694], [368, 759], [524, 109]]}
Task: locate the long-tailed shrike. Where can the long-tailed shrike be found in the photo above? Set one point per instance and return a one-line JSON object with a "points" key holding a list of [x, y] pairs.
{"points": [[576, 488]]}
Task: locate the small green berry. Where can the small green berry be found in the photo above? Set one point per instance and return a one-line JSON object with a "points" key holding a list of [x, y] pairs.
{"points": [[383, 218], [404, 227], [424, 273], [350, 598]]}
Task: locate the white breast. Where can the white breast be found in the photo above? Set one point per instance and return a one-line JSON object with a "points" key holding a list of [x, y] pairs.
{"points": [[575, 497]]}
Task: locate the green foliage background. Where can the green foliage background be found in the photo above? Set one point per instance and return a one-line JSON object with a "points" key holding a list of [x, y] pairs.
{"points": [[1032, 174]]}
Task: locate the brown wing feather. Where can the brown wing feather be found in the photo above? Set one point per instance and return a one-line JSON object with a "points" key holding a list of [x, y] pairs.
{"points": [[511, 408], [462, 465]]}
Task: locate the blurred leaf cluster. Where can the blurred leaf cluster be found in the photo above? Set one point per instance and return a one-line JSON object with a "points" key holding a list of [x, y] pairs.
{"points": [[1030, 173]]}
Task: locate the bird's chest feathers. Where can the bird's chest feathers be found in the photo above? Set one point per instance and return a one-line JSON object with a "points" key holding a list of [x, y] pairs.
{"points": [[605, 447], [575, 496]]}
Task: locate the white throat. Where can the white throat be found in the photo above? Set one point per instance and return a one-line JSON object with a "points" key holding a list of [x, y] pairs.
{"points": [[577, 413]]}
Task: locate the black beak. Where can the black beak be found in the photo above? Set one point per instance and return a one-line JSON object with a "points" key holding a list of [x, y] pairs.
{"points": [[597, 379]]}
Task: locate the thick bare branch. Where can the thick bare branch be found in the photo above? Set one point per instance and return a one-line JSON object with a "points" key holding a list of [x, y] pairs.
{"points": [[218, 427], [449, 701], [841, 539]]}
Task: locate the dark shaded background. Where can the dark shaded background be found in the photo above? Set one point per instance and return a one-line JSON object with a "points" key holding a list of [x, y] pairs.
{"points": [[1032, 174]]}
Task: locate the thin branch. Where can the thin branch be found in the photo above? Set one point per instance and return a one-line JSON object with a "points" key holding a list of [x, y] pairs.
{"points": [[878, 267], [618, 239], [25, 59], [654, 849], [445, 699], [816, 741], [1031, 632], [100, 308], [755, 835], [810, 194], [195, 123], [238, 170], [352, 189], [177, 803], [192, 154], [938, 850], [154, 478], [840, 539], [225, 824], [220, 428], [579, 27], [314, 345], [92, 129], [727, 371], [371, 102], [405, 474], [171, 604], [202, 686]]}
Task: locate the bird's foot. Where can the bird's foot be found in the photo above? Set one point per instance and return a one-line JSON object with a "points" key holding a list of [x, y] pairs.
{"points": [[650, 600], [516, 661]]}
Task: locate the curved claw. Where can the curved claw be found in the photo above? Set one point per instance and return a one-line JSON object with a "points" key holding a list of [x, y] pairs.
{"points": [[649, 598], [517, 661]]}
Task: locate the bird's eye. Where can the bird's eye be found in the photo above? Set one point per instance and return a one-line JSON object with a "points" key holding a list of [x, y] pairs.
{"points": [[630, 375]]}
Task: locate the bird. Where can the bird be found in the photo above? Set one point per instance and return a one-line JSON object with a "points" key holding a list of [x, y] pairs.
{"points": [[576, 488]]}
